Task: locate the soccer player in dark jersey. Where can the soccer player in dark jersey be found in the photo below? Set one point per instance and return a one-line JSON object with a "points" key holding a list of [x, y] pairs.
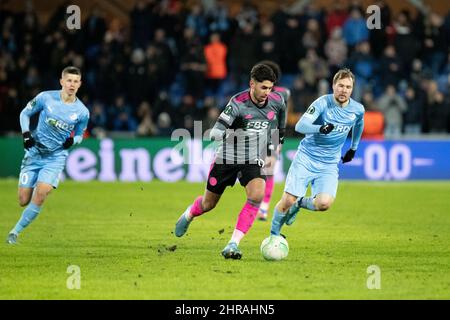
{"points": [[61, 113], [272, 153], [242, 133]]}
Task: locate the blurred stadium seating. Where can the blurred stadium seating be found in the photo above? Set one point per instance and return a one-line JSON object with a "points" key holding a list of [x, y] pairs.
{"points": [[144, 67]]}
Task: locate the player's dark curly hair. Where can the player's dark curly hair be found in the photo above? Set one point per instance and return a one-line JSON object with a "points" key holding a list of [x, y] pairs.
{"points": [[261, 72], [274, 66]]}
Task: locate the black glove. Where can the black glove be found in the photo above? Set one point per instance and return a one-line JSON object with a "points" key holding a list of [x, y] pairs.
{"points": [[326, 128], [28, 140], [68, 143], [348, 156]]}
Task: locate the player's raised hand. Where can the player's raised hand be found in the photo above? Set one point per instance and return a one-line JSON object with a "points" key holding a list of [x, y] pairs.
{"points": [[348, 156], [68, 143], [326, 128], [28, 140]]}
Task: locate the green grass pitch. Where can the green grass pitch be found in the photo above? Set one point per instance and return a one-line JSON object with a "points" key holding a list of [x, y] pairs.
{"points": [[120, 236]]}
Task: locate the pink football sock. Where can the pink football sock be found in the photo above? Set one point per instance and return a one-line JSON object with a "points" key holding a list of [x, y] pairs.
{"points": [[196, 209], [247, 216], [269, 188]]}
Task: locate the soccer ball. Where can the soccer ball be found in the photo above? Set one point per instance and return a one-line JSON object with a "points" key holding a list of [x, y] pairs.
{"points": [[274, 248]]}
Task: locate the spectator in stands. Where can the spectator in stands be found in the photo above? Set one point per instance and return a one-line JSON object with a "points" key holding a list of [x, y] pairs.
{"points": [[378, 37], [335, 50], [355, 29], [121, 116], [362, 63], [164, 125], [98, 121], [212, 113], [405, 42], [266, 44], [146, 126], [313, 68], [291, 49], [196, 20], [373, 118], [437, 109], [413, 118], [336, 17], [435, 43], [390, 67], [193, 68], [216, 64], [393, 106], [312, 38], [302, 95], [166, 57], [136, 76]]}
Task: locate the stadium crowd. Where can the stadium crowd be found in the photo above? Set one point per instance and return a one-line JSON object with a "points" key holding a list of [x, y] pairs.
{"points": [[173, 64]]}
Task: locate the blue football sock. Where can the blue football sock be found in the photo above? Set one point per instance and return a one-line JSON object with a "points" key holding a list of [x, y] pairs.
{"points": [[308, 203], [278, 219], [29, 214]]}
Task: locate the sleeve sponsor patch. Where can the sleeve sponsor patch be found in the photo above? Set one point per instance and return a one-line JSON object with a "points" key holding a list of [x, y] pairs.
{"points": [[228, 109], [225, 117]]}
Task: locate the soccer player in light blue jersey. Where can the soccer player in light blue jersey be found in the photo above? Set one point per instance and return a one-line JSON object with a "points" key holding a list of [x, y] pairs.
{"points": [[61, 113], [326, 124]]}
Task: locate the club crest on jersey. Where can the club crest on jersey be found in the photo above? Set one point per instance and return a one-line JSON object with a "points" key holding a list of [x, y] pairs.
{"points": [[73, 117], [31, 104], [59, 124], [271, 115], [311, 110]]}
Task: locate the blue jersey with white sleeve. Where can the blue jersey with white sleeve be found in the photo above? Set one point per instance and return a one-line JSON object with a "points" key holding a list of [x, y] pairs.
{"points": [[57, 120], [326, 148]]}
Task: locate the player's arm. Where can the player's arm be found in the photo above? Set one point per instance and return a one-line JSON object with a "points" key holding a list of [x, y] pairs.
{"points": [[356, 137], [275, 146], [78, 133], [32, 107], [282, 118], [224, 122], [306, 123]]}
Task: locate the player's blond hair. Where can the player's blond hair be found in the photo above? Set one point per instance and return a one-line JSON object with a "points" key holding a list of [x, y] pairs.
{"points": [[71, 70], [342, 74]]}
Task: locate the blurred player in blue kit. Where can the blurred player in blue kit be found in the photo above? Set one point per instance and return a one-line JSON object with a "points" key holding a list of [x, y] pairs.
{"points": [[326, 124], [60, 114]]}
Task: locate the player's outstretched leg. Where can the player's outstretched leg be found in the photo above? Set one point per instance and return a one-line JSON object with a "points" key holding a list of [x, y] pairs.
{"points": [[303, 202], [278, 219], [231, 251], [293, 211], [29, 214], [245, 221], [188, 215], [264, 208], [12, 238], [183, 222]]}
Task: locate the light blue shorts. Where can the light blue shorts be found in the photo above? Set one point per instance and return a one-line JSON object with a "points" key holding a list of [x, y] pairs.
{"points": [[304, 171], [38, 167]]}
